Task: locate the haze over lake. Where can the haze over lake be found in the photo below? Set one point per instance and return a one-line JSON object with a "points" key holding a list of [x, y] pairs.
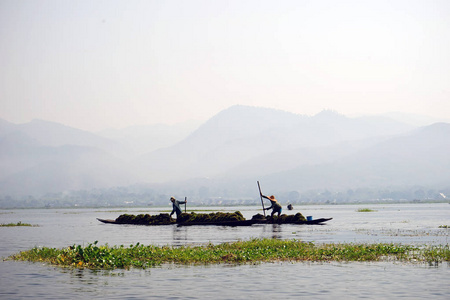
{"points": [[326, 157]]}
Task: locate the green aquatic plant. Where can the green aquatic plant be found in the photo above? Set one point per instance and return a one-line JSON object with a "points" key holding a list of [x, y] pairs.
{"points": [[365, 210], [145, 219], [17, 224], [298, 218], [444, 226], [253, 251], [205, 218], [165, 219], [211, 217]]}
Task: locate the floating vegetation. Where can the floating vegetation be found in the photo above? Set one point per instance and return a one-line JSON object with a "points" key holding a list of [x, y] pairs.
{"points": [[403, 232], [444, 226], [241, 252], [298, 218], [215, 218], [204, 209], [118, 210], [17, 224], [165, 219], [161, 219], [366, 210]]}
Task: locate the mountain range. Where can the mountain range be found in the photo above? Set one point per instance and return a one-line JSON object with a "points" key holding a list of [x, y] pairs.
{"points": [[230, 151]]}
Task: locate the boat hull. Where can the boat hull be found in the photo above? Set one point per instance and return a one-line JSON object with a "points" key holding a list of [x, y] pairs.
{"points": [[226, 223]]}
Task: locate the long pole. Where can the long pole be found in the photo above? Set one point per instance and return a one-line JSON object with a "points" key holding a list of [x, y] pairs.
{"points": [[185, 199], [262, 202]]}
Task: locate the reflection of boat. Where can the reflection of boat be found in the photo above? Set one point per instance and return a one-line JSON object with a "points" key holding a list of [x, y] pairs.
{"points": [[226, 223]]}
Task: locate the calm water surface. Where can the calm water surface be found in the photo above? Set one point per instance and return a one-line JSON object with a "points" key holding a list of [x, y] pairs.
{"points": [[415, 224]]}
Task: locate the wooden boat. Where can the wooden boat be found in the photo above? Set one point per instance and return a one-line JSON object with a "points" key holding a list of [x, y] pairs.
{"points": [[252, 222], [226, 223], [107, 221]]}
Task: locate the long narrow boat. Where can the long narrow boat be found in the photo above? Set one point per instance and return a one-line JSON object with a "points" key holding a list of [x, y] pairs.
{"points": [[226, 223], [252, 222]]}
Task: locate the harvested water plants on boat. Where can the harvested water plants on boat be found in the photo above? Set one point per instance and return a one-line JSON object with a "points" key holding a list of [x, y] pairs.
{"points": [[94, 256], [165, 219], [216, 218]]}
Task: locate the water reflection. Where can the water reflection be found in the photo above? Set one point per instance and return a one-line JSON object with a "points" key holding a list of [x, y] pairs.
{"points": [[276, 231], [179, 235]]}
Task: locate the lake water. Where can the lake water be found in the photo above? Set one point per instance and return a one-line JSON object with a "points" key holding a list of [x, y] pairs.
{"points": [[414, 224]]}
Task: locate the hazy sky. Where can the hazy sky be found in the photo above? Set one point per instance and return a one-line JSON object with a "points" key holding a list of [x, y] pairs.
{"points": [[99, 64]]}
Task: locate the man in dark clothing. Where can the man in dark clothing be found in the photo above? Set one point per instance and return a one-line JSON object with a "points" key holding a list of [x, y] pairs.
{"points": [[276, 207], [176, 206]]}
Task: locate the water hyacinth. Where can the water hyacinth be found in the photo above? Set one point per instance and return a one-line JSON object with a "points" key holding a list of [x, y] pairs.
{"points": [[18, 224], [211, 217], [161, 219], [94, 256], [196, 218], [165, 219]]}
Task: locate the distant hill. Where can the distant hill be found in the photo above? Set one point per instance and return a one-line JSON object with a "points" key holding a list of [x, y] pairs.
{"points": [[418, 158], [229, 152], [138, 140], [55, 134], [40, 157], [241, 134]]}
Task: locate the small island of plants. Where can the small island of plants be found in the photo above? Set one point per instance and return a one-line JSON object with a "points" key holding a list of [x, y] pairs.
{"points": [[253, 251], [18, 224]]}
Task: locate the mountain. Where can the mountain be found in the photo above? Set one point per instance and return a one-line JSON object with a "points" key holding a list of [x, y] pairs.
{"points": [[139, 140], [55, 134], [227, 154], [240, 134], [418, 158], [40, 157]]}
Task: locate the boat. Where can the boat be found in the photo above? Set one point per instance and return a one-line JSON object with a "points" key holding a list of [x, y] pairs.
{"points": [[225, 219], [107, 221], [252, 222]]}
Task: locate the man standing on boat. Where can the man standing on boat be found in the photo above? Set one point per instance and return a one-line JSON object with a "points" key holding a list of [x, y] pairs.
{"points": [[176, 206], [276, 207]]}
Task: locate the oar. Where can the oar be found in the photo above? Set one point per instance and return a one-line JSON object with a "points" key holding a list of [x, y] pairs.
{"points": [[262, 202], [185, 199]]}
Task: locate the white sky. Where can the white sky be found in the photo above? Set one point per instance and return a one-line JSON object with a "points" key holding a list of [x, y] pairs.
{"points": [[100, 64]]}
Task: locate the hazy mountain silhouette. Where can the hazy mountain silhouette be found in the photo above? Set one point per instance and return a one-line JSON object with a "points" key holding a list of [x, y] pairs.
{"points": [[418, 158], [55, 134], [40, 157], [234, 148], [240, 134], [138, 140]]}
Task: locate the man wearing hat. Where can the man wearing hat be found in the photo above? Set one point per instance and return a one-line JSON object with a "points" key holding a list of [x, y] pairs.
{"points": [[276, 207], [176, 206]]}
